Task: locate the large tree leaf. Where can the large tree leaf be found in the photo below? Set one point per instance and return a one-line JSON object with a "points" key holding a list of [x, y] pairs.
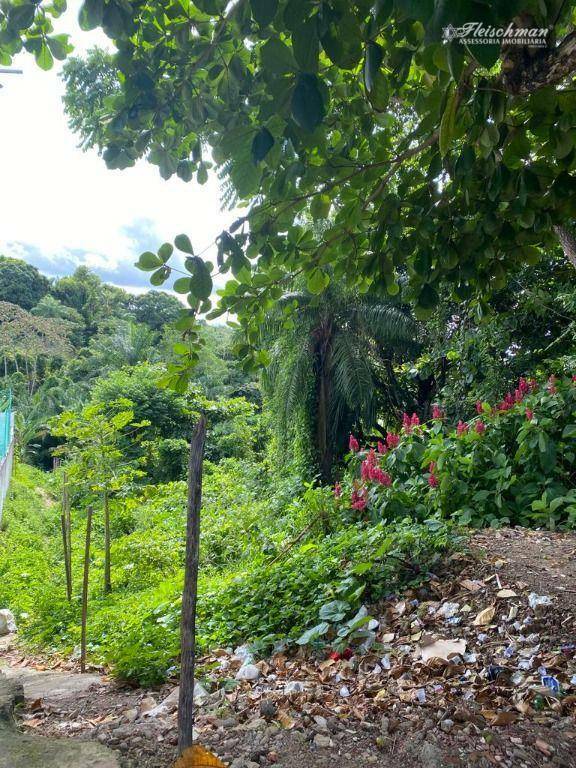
{"points": [[306, 46], [264, 11], [307, 104], [262, 144]]}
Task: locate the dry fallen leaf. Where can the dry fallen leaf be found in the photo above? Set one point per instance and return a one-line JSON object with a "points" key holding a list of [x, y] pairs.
{"points": [[198, 757], [502, 718], [485, 616], [504, 593], [388, 637], [471, 586]]}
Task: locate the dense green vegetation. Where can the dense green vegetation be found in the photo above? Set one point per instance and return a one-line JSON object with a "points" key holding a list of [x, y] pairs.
{"points": [[279, 539], [401, 316]]}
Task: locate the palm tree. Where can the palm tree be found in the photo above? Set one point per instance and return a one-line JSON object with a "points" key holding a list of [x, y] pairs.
{"points": [[331, 358]]}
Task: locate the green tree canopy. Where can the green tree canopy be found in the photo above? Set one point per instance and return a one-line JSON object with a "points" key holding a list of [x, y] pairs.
{"points": [[433, 161], [21, 283], [155, 308]]}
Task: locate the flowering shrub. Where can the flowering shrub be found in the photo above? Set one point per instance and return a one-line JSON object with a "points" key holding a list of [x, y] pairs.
{"points": [[514, 463]]}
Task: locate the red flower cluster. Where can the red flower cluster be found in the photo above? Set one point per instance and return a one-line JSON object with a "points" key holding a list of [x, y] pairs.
{"points": [[381, 447], [437, 412], [552, 389], [369, 470], [432, 479], [392, 440], [337, 490], [409, 422], [529, 414], [480, 427], [358, 500], [461, 428], [353, 444], [479, 406]]}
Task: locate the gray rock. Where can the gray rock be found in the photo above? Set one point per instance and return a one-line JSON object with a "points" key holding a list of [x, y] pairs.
{"points": [[447, 725], [322, 741]]}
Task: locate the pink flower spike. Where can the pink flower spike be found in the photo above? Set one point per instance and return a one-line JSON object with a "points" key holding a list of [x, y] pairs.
{"points": [[392, 440], [353, 444], [337, 490], [461, 428], [574, 378], [479, 406], [529, 414], [432, 467], [433, 481], [381, 447], [437, 412], [480, 427], [415, 421]]}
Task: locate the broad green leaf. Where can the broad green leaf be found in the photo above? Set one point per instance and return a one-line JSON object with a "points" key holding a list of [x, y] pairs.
{"points": [[264, 11], [276, 57], [91, 14], [183, 243], [261, 144], [44, 58], [165, 251], [305, 46], [21, 16], [182, 285], [149, 261], [320, 207], [372, 63], [317, 281], [307, 104], [448, 123]]}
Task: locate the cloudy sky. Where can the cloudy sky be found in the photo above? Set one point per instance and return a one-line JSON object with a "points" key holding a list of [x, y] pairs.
{"points": [[60, 207]]}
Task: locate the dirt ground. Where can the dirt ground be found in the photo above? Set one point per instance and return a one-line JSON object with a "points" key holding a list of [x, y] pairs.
{"points": [[493, 705]]}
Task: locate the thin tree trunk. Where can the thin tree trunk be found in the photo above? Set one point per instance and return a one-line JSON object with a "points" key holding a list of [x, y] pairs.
{"points": [[325, 452], [85, 590], [107, 578], [65, 548], [190, 593], [568, 242]]}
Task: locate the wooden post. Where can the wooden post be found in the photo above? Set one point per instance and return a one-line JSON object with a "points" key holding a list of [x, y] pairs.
{"points": [[85, 590], [67, 537], [190, 593], [107, 578]]}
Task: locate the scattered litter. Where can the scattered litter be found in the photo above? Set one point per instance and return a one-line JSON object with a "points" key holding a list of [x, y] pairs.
{"points": [[248, 672], [551, 682], [440, 649], [448, 610], [538, 601]]}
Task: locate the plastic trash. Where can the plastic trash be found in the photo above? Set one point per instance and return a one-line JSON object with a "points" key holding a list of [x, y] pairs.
{"points": [[7, 622], [244, 653], [538, 601], [421, 695], [568, 649], [344, 692], [482, 637], [294, 686], [573, 680], [454, 621], [551, 682], [510, 651], [385, 662], [448, 610], [526, 664], [248, 672], [470, 658], [517, 678], [494, 671]]}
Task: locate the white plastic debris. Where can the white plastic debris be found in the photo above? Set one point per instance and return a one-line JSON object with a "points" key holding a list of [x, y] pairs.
{"points": [[448, 610], [294, 686], [421, 695], [385, 662], [244, 654], [440, 649], [7, 622], [537, 601], [344, 692], [248, 672]]}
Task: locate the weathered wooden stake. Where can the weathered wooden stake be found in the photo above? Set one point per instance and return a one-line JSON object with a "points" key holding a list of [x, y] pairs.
{"points": [[107, 579], [85, 590], [67, 538], [190, 593]]}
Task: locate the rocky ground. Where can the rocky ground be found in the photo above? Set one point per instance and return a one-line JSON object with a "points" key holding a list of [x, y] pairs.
{"points": [[478, 669]]}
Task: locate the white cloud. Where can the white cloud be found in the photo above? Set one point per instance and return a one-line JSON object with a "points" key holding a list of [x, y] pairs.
{"points": [[64, 204]]}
